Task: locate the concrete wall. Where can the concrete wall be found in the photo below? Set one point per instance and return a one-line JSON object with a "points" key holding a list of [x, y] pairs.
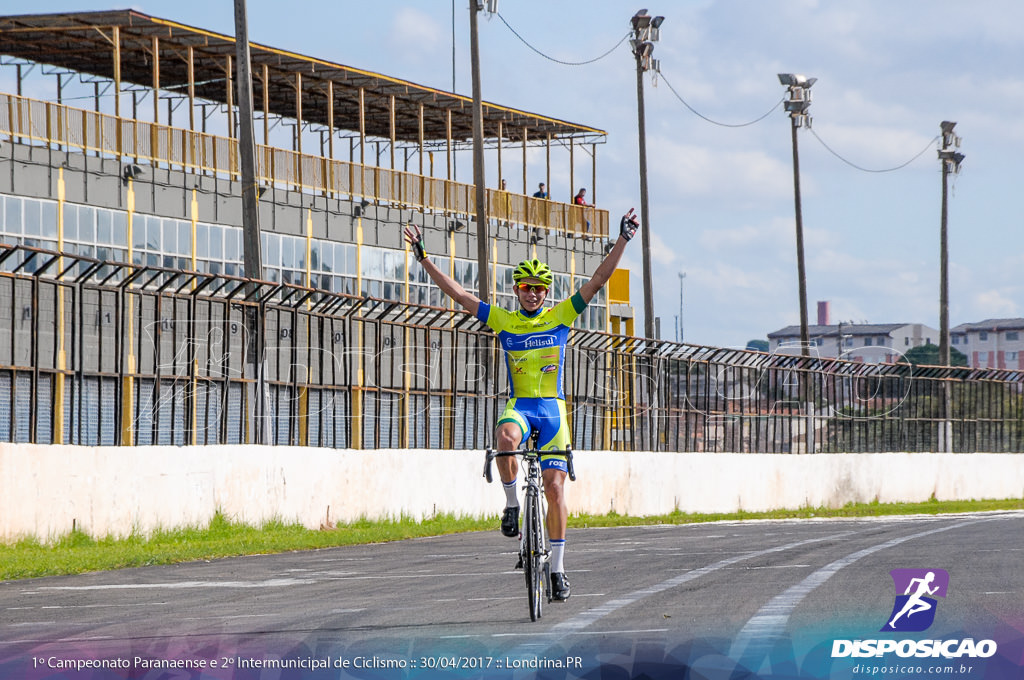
{"points": [[112, 490]]}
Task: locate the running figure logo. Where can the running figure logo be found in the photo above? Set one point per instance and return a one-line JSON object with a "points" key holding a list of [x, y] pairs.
{"points": [[914, 609]]}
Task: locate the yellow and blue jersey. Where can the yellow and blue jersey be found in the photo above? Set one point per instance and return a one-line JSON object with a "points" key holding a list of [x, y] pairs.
{"points": [[534, 345]]}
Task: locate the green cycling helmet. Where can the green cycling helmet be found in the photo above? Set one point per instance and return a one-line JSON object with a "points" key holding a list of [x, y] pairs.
{"points": [[533, 269]]}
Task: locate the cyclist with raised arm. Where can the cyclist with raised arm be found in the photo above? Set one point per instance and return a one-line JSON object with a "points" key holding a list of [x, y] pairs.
{"points": [[534, 340]]}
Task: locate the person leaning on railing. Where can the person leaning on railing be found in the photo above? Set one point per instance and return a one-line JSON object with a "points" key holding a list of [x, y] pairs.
{"points": [[534, 340], [580, 199], [541, 209]]}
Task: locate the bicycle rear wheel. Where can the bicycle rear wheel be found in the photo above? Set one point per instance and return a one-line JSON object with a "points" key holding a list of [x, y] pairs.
{"points": [[533, 562]]}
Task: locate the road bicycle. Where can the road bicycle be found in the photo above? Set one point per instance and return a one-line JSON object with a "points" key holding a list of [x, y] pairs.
{"points": [[534, 551]]}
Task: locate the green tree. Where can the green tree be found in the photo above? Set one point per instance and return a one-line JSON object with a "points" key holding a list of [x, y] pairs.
{"points": [[758, 345], [928, 355]]}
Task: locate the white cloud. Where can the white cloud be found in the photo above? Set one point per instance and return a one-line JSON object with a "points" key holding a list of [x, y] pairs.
{"points": [[692, 170], [994, 304], [415, 32], [759, 239]]}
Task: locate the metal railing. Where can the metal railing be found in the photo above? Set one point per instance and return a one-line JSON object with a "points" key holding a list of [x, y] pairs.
{"points": [[95, 352], [40, 122]]}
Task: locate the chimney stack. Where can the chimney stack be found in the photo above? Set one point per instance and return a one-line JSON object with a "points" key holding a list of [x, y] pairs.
{"points": [[823, 313]]}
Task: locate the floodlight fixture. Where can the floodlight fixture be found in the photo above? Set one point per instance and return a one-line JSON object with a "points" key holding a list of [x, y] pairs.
{"points": [[947, 127], [798, 106], [640, 20], [952, 158], [796, 80], [656, 22]]}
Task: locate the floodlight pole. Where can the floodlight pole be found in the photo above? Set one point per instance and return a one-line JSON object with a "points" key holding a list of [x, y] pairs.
{"points": [[799, 88], [478, 157], [252, 260], [950, 163], [950, 160], [801, 270], [645, 224], [646, 30], [252, 257]]}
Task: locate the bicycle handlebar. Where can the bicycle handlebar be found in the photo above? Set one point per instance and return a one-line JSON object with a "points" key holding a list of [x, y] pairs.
{"points": [[491, 455]]}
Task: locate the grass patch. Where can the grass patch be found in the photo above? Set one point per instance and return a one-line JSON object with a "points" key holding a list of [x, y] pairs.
{"points": [[875, 509], [77, 552]]}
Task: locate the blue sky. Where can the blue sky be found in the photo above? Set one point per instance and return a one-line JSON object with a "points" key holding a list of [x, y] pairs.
{"points": [[722, 197]]}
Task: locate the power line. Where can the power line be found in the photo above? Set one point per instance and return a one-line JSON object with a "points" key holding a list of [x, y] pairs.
{"points": [[854, 165], [559, 61], [715, 122]]}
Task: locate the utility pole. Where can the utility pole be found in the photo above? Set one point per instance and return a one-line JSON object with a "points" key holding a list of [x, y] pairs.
{"points": [[951, 160], [478, 156], [646, 31], [252, 260], [799, 101]]}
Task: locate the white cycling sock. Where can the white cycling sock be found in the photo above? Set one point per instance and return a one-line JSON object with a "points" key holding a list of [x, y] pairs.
{"points": [[511, 501], [557, 553]]}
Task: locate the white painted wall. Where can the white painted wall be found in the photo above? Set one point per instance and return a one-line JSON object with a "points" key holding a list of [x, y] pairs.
{"points": [[113, 490]]}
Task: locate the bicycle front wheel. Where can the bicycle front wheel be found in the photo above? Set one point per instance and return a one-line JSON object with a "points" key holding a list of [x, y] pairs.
{"points": [[533, 539]]}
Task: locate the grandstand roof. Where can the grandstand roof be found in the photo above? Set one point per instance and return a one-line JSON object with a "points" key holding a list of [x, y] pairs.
{"points": [[82, 42]]}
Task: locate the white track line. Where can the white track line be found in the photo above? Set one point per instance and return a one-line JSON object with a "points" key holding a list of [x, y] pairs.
{"points": [[587, 618]]}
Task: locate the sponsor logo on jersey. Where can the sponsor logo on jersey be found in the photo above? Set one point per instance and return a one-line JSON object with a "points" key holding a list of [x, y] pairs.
{"points": [[519, 343]]}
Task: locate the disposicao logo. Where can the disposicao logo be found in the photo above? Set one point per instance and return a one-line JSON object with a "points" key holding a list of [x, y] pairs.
{"points": [[912, 612], [916, 590]]}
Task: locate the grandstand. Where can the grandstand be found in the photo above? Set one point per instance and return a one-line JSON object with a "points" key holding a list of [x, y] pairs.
{"points": [[128, 153], [314, 199]]}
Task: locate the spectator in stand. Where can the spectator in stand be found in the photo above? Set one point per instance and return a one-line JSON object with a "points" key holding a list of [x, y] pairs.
{"points": [[540, 212], [581, 199]]}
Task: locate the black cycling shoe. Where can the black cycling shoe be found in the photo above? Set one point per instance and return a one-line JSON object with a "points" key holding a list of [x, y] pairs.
{"points": [[559, 586], [510, 522]]}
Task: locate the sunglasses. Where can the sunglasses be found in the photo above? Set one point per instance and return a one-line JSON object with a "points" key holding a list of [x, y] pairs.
{"points": [[532, 287]]}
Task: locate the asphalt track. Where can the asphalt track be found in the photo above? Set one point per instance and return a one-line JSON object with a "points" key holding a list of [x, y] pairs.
{"points": [[721, 600]]}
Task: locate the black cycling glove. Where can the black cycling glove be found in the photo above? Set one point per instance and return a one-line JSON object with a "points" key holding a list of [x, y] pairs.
{"points": [[628, 225]]}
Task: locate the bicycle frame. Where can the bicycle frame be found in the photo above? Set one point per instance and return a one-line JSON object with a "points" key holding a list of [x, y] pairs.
{"points": [[535, 552]]}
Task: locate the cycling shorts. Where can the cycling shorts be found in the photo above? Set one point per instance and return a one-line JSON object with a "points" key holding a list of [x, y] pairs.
{"points": [[547, 416]]}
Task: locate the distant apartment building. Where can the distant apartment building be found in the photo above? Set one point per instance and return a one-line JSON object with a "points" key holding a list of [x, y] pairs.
{"points": [[992, 343], [868, 343]]}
